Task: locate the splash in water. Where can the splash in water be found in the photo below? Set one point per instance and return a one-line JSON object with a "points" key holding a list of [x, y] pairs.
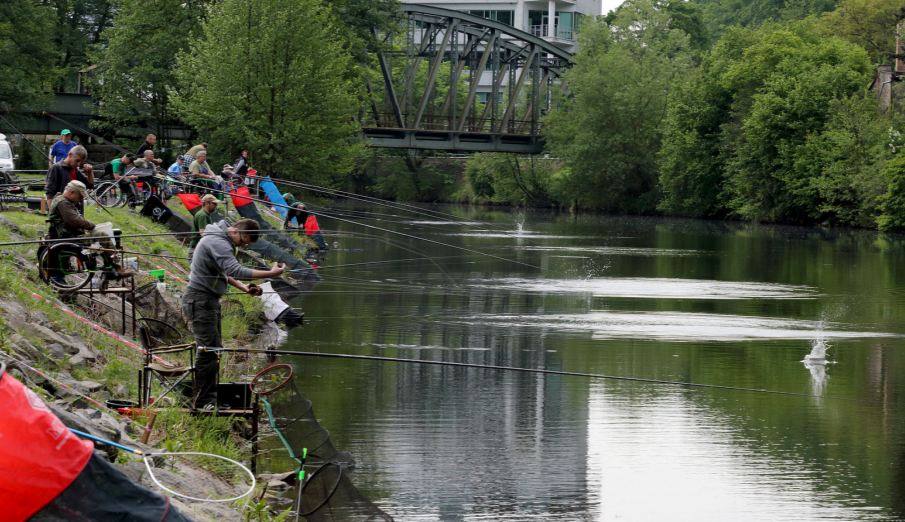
{"points": [[818, 352]]}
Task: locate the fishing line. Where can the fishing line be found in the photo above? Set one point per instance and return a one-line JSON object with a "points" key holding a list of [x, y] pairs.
{"points": [[42, 154], [378, 201], [378, 228], [525, 370]]}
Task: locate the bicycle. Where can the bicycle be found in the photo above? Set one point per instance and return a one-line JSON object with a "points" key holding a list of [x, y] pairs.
{"points": [[69, 266]]}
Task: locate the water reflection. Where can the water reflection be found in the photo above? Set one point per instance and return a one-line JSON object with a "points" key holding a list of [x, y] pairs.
{"points": [[710, 303]]}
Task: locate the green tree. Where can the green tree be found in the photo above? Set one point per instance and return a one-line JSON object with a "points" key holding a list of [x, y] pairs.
{"points": [[892, 203], [28, 67], [136, 65], [270, 76], [512, 179], [722, 14], [868, 23], [608, 132], [78, 25], [739, 131]]}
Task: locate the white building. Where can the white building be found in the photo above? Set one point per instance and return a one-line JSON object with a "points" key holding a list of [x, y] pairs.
{"points": [[556, 21]]}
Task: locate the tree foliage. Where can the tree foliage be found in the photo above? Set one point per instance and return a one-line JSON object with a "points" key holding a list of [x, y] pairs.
{"points": [[28, 66], [752, 132], [513, 180], [78, 25], [868, 23], [136, 65], [608, 132], [722, 14], [270, 76]]}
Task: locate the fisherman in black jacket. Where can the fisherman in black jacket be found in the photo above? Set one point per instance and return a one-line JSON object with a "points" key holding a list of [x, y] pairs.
{"points": [[66, 170]]}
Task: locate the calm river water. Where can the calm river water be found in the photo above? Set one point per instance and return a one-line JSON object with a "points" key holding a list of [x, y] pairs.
{"points": [[716, 303]]}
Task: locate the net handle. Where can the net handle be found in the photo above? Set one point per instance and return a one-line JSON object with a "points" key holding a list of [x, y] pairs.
{"points": [[147, 460], [251, 385], [332, 491]]}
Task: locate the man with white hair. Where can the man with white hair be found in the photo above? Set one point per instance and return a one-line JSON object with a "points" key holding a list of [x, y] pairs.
{"points": [[66, 170], [202, 172]]}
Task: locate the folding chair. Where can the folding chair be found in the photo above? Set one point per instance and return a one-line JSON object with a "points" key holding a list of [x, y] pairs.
{"points": [[159, 339]]}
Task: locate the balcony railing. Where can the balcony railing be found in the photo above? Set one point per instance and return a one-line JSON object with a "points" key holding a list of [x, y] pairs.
{"points": [[566, 33]]}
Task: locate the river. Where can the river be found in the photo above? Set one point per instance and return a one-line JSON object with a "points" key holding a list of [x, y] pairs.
{"points": [[727, 304]]}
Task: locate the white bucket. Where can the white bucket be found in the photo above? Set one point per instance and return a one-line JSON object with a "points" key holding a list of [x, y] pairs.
{"points": [[104, 228]]}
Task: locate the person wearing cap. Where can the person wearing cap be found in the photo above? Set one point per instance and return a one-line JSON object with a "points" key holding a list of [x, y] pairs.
{"points": [[62, 172], [67, 222], [176, 168], [201, 219], [60, 149], [295, 211]]}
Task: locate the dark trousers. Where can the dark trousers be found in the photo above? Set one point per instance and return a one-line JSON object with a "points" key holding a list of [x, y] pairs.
{"points": [[203, 310]]}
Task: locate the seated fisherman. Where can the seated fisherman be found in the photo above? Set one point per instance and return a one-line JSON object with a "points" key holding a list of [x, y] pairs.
{"points": [[295, 210], [66, 222], [214, 269], [126, 183], [203, 172], [146, 161]]}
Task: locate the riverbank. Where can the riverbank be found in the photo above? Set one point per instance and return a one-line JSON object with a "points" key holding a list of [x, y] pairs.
{"points": [[75, 355]]}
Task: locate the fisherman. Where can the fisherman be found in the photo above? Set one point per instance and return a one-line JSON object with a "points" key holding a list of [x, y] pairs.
{"points": [[146, 146], [147, 161], [66, 170], [202, 219], [241, 168], [295, 211], [126, 183], [203, 172], [60, 149], [214, 269], [66, 222], [194, 151]]}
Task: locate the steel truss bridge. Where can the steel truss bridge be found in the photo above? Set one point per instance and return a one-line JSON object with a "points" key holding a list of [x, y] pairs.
{"points": [[432, 74]]}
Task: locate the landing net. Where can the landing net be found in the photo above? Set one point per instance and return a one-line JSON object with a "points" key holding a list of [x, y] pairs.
{"points": [[292, 416]]}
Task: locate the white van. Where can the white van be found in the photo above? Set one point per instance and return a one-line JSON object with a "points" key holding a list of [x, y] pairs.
{"points": [[6, 155]]}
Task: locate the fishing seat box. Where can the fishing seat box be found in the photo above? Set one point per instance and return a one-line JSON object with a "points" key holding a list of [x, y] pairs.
{"points": [[235, 394]]}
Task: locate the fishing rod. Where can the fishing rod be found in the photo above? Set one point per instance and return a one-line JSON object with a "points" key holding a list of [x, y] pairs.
{"points": [[42, 154], [373, 227], [517, 369], [378, 201]]}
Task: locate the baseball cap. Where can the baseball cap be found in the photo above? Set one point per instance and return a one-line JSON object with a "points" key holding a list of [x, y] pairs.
{"points": [[65, 132], [180, 157], [79, 187], [210, 198], [227, 166]]}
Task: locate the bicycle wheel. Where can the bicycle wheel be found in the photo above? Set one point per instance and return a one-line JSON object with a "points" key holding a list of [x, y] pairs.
{"points": [[65, 266], [162, 334], [109, 195]]}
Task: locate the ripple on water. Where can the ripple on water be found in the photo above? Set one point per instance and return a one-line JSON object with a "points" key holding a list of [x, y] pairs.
{"points": [[623, 251], [677, 326], [643, 287]]}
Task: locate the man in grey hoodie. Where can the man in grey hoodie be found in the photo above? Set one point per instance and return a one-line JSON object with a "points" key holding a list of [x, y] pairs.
{"points": [[214, 270]]}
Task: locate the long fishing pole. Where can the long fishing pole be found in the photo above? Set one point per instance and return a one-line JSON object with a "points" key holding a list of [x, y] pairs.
{"points": [[381, 202], [372, 227], [42, 154], [517, 369]]}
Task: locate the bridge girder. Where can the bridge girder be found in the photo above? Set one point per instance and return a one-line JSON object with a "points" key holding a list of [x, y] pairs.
{"points": [[513, 70]]}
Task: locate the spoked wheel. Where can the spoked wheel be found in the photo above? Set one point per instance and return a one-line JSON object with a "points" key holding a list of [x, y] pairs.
{"points": [[66, 266], [111, 196], [232, 307], [162, 334]]}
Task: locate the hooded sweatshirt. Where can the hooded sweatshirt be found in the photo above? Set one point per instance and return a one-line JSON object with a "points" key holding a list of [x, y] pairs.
{"points": [[214, 260]]}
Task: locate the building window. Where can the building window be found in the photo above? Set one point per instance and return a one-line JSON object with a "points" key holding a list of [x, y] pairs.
{"points": [[566, 24], [505, 17]]}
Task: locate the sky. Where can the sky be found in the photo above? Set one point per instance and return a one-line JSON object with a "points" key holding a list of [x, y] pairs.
{"points": [[609, 5]]}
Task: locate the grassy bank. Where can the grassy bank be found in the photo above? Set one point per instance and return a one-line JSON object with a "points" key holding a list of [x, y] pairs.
{"points": [[116, 362]]}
